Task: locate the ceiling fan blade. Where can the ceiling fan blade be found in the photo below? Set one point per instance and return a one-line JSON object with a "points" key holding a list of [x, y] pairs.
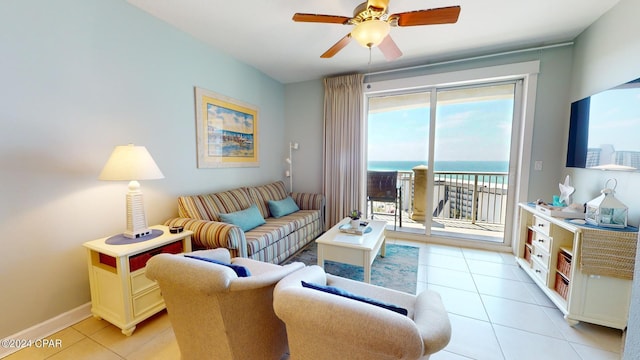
{"points": [[445, 15], [389, 49], [331, 19], [337, 47]]}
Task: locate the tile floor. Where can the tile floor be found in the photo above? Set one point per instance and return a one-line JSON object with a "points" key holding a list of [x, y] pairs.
{"points": [[496, 313]]}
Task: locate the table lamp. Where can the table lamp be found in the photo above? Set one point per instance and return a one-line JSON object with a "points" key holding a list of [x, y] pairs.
{"points": [[132, 163]]}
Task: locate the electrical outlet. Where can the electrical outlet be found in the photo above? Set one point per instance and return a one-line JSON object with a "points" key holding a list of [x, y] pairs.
{"points": [[538, 165]]}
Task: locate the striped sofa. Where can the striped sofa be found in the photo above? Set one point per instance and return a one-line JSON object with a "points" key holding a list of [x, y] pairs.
{"points": [[271, 242]]}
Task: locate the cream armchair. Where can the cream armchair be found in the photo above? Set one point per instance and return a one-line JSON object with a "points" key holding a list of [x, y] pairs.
{"points": [[327, 326], [214, 313]]}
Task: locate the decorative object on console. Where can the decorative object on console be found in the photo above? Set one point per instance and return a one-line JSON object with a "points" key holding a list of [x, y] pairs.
{"points": [[562, 204], [227, 131], [289, 160], [566, 190], [606, 210], [355, 218], [132, 163], [176, 229]]}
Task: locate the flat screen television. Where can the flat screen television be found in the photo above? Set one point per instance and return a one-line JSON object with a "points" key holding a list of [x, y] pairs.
{"points": [[604, 130]]}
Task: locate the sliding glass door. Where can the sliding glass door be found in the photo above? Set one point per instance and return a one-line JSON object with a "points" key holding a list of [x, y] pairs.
{"points": [[472, 151], [452, 159]]}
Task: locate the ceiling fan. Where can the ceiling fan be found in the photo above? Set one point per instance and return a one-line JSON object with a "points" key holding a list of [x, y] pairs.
{"points": [[372, 23]]}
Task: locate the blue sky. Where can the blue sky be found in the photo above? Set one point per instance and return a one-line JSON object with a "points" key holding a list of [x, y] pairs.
{"points": [[470, 131]]}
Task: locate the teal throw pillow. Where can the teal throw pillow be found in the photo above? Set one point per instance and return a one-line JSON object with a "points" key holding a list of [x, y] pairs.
{"points": [[280, 208], [240, 270], [246, 219], [344, 293]]}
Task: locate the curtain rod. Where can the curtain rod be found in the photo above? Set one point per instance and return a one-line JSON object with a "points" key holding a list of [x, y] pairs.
{"points": [[471, 58]]}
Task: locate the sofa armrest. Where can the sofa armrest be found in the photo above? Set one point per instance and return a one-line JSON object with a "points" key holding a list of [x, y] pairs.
{"points": [[432, 320], [335, 326], [308, 201], [213, 234]]}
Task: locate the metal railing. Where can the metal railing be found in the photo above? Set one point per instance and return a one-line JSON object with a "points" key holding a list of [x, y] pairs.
{"points": [[477, 197]]}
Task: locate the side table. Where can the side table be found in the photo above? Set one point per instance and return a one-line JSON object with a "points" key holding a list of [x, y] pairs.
{"points": [[120, 291]]}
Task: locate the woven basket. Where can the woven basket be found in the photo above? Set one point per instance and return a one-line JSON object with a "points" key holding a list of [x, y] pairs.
{"points": [[562, 286], [527, 254], [564, 263]]}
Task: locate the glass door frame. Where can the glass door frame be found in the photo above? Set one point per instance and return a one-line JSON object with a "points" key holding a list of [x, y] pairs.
{"points": [[524, 74]]}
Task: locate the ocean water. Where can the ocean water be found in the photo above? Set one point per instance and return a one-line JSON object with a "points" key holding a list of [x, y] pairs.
{"points": [[470, 166]]}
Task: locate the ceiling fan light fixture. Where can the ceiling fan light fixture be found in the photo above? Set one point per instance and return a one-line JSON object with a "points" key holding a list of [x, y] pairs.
{"points": [[370, 33]]}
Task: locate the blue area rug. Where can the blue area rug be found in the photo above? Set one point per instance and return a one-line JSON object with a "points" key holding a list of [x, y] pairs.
{"points": [[398, 270]]}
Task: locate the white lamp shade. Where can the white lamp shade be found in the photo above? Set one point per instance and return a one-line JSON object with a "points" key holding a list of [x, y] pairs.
{"points": [[370, 33], [129, 162]]}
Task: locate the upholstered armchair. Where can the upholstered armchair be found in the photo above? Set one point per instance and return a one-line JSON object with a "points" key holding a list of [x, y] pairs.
{"points": [[216, 314], [322, 325]]}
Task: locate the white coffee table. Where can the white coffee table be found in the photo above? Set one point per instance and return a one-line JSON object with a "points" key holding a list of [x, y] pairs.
{"points": [[359, 250]]}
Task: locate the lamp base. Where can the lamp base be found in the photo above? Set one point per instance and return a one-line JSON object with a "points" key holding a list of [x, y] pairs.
{"points": [[138, 234], [136, 220]]}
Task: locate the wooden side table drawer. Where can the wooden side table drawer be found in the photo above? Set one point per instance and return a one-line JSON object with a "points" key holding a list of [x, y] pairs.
{"points": [[140, 283], [541, 225], [147, 301], [542, 241], [540, 271], [539, 253]]}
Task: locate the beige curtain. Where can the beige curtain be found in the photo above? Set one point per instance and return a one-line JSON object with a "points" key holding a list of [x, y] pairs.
{"points": [[343, 146]]}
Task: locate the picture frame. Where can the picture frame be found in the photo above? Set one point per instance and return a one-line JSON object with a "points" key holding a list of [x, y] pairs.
{"points": [[226, 130]]}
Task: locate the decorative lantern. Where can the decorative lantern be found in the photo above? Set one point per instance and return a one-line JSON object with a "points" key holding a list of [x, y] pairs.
{"points": [[606, 210]]}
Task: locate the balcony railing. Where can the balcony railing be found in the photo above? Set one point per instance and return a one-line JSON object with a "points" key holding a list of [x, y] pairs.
{"points": [[474, 197]]}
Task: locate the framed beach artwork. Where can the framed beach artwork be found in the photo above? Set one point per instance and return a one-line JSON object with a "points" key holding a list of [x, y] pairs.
{"points": [[227, 131]]}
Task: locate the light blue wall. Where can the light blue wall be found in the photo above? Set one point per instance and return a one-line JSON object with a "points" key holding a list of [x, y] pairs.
{"points": [[304, 109], [78, 77]]}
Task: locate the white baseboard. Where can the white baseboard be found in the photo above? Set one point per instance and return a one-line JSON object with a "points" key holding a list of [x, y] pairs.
{"points": [[49, 327]]}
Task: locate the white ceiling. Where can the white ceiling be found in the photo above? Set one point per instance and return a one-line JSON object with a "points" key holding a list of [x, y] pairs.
{"points": [[262, 34]]}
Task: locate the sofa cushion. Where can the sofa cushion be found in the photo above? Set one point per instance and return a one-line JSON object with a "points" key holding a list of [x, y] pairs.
{"points": [[260, 195], [278, 228], [267, 234], [280, 208], [240, 270], [201, 207], [300, 218], [209, 207], [232, 200], [344, 293], [246, 219]]}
